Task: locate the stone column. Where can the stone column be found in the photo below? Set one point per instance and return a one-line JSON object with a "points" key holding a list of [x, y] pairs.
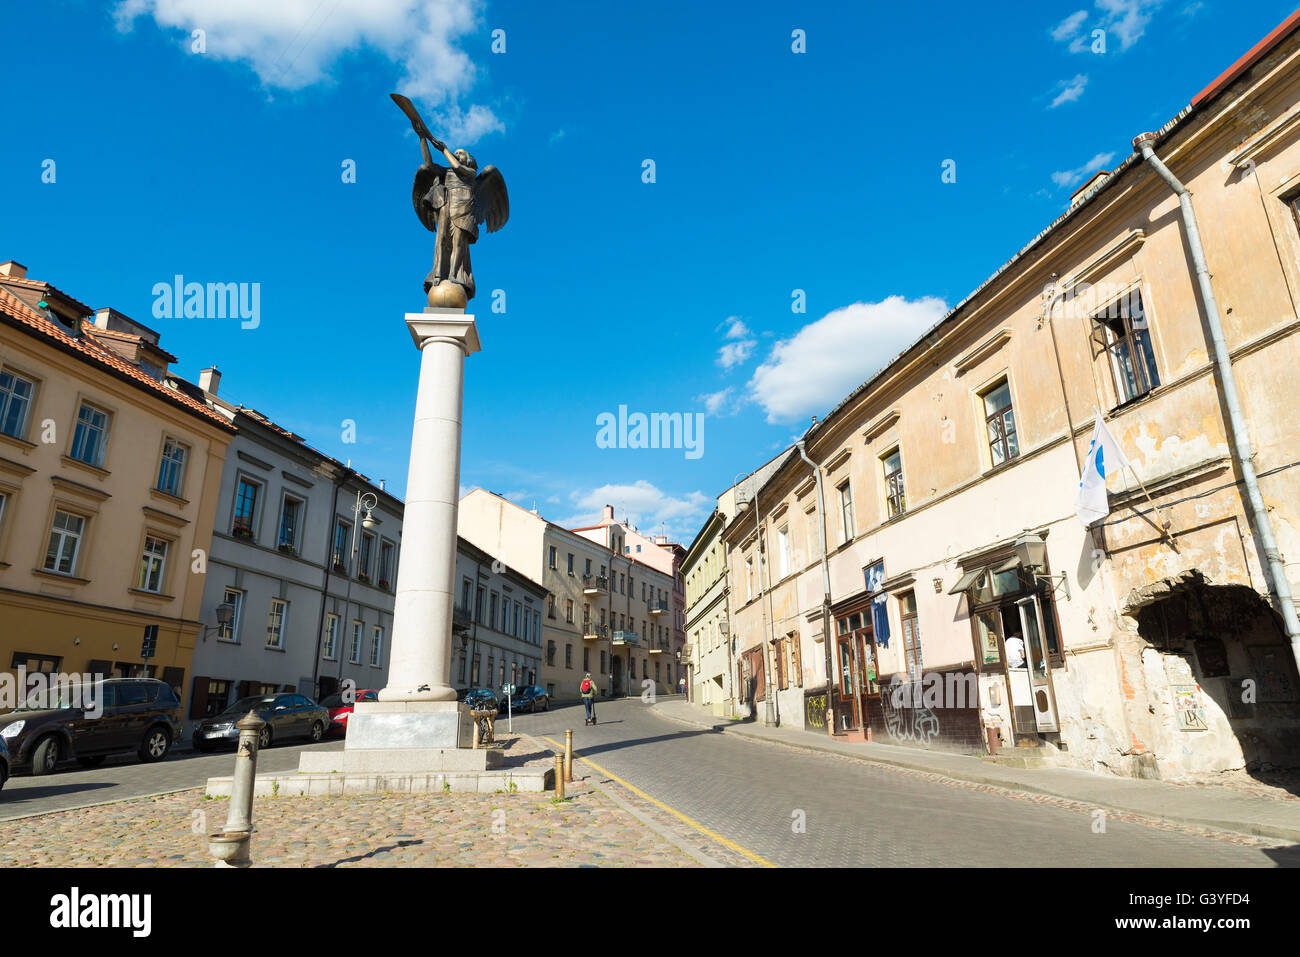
{"points": [[420, 655]]}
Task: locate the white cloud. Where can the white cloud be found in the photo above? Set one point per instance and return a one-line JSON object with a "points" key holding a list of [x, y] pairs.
{"points": [[737, 329], [1072, 177], [645, 506], [1069, 26], [734, 353], [826, 359], [292, 44], [1071, 90], [716, 402]]}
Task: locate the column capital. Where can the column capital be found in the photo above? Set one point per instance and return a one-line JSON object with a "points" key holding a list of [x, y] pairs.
{"points": [[443, 324]]}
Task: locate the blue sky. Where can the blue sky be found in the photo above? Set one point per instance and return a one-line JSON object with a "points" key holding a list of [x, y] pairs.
{"points": [[774, 171]]}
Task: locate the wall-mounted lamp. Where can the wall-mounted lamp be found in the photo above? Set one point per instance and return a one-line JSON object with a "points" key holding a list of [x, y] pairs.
{"points": [[225, 615], [1031, 552]]}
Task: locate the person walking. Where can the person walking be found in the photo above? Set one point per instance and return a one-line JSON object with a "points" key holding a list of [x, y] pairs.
{"points": [[588, 691], [681, 684]]}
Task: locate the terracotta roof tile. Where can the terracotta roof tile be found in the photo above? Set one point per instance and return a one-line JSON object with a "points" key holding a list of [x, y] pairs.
{"points": [[45, 286], [18, 313]]}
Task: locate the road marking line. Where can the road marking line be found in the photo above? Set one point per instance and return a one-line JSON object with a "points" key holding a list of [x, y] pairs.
{"points": [[725, 842]]}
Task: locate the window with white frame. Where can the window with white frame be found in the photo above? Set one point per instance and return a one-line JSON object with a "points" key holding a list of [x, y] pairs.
{"points": [[235, 599], [152, 564], [171, 469], [376, 645], [846, 510], [15, 403], [354, 653], [1120, 331], [246, 494], [1000, 422], [330, 649], [290, 523], [276, 622], [895, 499], [66, 532], [90, 437]]}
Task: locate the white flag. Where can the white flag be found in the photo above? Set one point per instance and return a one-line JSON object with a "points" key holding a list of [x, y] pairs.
{"points": [[1104, 457]]}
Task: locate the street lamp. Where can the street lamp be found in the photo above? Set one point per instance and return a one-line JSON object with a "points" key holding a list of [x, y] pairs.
{"points": [[225, 615], [1031, 552], [368, 501]]}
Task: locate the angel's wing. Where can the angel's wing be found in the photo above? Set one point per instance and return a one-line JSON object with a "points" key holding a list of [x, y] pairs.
{"points": [[491, 202], [428, 177]]}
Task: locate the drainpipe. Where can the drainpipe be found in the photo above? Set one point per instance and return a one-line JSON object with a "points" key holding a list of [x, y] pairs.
{"points": [[325, 591], [826, 578], [1274, 570]]}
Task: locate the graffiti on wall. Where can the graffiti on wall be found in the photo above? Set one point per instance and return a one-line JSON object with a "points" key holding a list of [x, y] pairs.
{"points": [[814, 709], [908, 720]]}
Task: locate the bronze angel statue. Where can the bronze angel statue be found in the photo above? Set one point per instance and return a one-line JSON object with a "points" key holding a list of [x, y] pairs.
{"points": [[452, 201]]}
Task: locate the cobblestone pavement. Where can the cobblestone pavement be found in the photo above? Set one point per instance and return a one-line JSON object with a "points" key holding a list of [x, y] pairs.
{"points": [[793, 807], [424, 830], [125, 776]]}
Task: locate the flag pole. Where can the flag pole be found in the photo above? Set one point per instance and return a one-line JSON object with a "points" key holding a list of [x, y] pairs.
{"points": [[1166, 525]]}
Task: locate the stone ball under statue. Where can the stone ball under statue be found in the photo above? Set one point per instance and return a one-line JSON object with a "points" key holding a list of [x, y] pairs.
{"points": [[448, 295]]}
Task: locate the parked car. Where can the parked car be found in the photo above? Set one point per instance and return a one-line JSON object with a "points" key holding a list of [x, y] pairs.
{"points": [[477, 698], [4, 763], [126, 714], [287, 715], [527, 698], [340, 710]]}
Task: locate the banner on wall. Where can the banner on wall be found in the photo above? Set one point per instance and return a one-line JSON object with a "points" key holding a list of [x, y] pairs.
{"points": [[875, 576]]}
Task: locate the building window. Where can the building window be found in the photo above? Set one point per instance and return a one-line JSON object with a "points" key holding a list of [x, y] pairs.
{"points": [[550, 606], [171, 470], [537, 627], [235, 599], [330, 650], [587, 568], [551, 557], [152, 564], [571, 563], [846, 510], [366, 552], [91, 435], [245, 508], [602, 662], [492, 611], [568, 610], [65, 543], [15, 403], [376, 645], [354, 653], [783, 549], [463, 664], [386, 568], [275, 623], [466, 586], [550, 654], [911, 635], [290, 519], [527, 620], [895, 499], [1000, 421], [568, 656], [1122, 333], [480, 605], [473, 674], [339, 551]]}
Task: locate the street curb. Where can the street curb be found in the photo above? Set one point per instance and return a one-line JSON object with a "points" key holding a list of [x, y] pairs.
{"points": [[84, 807], [698, 856], [1276, 832]]}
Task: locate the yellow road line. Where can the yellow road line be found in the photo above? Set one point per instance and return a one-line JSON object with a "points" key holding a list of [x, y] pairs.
{"points": [[725, 842]]}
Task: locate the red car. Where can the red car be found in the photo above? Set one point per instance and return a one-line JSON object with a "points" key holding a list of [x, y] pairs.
{"points": [[339, 710]]}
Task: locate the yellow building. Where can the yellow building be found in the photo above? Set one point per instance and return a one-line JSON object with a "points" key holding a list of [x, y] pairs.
{"points": [[108, 486]]}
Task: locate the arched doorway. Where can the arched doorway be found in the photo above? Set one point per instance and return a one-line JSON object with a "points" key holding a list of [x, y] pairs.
{"points": [[1222, 691]]}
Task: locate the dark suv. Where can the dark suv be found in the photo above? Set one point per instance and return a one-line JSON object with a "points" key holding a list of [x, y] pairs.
{"points": [[127, 714]]}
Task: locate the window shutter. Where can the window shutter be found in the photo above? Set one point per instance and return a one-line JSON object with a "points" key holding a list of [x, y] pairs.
{"points": [[199, 697]]}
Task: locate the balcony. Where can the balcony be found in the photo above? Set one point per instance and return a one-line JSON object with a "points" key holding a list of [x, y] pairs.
{"points": [[595, 585], [594, 632], [658, 606], [626, 638], [461, 619]]}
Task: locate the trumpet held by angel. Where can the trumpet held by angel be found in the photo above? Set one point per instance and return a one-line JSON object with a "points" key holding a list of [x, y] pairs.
{"points": [[452, 202]]}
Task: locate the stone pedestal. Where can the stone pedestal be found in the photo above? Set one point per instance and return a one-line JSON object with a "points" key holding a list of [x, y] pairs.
{"points": [[417, 725]]}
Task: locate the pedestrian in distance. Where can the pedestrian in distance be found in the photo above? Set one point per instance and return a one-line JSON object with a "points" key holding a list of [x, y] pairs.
{"points": [[588, 690]]}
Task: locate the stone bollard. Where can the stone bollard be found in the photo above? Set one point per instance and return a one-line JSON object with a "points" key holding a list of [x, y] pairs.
{"points": [[568, 756], [230, 845], [559, 776]]}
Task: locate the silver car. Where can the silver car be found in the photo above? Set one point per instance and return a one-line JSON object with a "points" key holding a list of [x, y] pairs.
{"points": [[287, 715]]}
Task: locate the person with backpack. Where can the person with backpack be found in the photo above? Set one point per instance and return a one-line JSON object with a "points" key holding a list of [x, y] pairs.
{"points": [[588, 690]]}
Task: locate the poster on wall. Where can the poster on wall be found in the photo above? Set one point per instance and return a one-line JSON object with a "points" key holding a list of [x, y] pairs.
{"points": [[875, 576], [1189, 709]]}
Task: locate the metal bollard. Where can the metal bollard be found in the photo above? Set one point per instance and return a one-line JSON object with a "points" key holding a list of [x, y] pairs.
{"points": [[568, 756], [559, 776], [230, 845]]}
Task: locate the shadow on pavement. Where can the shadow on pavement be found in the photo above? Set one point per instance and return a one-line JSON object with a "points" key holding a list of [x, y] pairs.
{"points": [[14, 796], [375, 852]]}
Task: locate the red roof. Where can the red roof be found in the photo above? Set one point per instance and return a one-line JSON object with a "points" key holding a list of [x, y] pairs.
{"points": [[1252, 56], [15, 312], [46, 287]]}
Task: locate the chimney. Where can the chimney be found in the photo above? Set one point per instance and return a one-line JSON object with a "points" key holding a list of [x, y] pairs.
{"points": [[1082, 191], [210, 380], [11, 268], [381, 484], [608, 514]]}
